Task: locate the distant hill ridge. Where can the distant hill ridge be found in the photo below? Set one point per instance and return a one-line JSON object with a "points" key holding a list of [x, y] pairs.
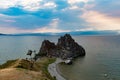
{"points": [[107, 32], [2, 34]]}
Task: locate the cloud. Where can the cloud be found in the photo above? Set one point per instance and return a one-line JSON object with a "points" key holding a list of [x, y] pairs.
{"points": [[12, 30], [6, 20], [59, 15], [52, 27], [108, 7], [26, 4], [29, 5], [50, 5], [76, 1], [99, 21]]}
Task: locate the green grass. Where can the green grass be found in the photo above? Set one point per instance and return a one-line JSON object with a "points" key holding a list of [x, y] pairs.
{"points": [[44, 62]]}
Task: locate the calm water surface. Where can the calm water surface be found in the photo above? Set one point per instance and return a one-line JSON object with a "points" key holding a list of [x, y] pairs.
{"points": [[12, 47], [102, 60]]}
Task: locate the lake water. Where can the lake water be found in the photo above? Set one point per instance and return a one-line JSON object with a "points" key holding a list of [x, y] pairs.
{"points": [[102, 60], [12, 47]]}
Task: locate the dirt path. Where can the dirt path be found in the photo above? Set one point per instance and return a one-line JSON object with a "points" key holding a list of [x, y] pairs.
{"points": [[52, 68]]}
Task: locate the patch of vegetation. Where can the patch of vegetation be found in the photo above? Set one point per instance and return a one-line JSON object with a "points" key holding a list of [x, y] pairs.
{"points": [[24, 64], [43, 63], [7, 64]]}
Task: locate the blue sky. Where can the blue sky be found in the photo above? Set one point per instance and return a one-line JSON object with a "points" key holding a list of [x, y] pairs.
{"points": [[40, 16]]}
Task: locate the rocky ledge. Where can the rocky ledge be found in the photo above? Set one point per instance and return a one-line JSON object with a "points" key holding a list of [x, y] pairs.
{"points": [[66, 48]]}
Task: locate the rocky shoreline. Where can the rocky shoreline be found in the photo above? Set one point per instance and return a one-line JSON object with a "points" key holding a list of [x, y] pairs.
{"points": [[53, 69]]}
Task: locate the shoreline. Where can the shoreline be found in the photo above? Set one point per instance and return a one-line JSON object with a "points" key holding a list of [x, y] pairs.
{"points": [[52, 69]]}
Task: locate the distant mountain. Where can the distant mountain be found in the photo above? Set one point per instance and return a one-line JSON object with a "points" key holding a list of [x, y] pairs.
{"points": [[2, 34], [62, 33], [30, 34], [89, 33], [94, 33]]}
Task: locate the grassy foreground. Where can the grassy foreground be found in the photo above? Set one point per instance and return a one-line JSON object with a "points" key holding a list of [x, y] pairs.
{"points": [[21, 69]]}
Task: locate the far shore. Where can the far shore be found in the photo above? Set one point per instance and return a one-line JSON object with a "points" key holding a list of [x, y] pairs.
{"points": [[52, 69]]}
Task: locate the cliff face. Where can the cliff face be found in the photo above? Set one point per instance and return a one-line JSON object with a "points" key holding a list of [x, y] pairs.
{"points": [[47, 49], [65, 48]]}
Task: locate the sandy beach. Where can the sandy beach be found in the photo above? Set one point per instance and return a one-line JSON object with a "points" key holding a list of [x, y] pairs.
{"points": [[52, 68]]}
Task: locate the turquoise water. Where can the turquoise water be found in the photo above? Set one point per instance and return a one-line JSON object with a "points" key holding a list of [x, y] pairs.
{"points": [[102, 60]]}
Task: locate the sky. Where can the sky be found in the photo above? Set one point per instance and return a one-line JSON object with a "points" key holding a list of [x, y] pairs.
{"points": [[41, 16]]}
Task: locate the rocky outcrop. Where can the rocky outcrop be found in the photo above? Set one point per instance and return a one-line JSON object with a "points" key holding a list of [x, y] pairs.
{"points": [[65, 48], [69, 48], [47, 49]]}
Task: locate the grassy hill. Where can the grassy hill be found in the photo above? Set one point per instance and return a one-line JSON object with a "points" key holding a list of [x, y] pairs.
{"points": [[21, 69]]}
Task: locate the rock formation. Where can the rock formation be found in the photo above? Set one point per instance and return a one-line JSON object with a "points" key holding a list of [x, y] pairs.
{"points": [[65, 48], [47, 49]]}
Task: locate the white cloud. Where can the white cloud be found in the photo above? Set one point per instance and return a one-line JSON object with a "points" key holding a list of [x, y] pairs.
{"points": [[99, 21], [75, 5], [12, 30], [77, 1], [30, 5], [50, 5], [7, 3]]}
